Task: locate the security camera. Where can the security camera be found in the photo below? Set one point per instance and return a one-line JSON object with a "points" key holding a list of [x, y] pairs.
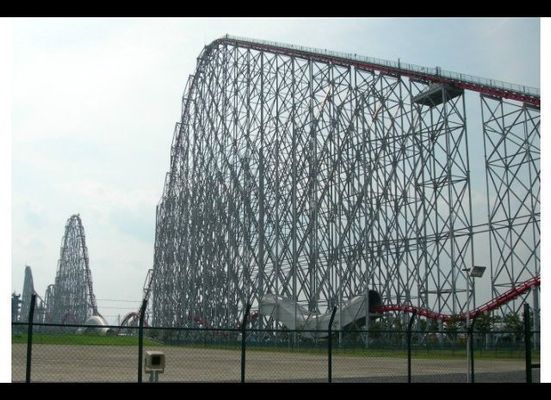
{"points": [[154, 361]]}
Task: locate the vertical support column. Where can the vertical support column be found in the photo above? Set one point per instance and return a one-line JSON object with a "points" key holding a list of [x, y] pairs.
{"points": [[311, 157], [471, 348], [140, 341], [261, 195], [367, 315], [467, 326], [294, 188], [30, 338], [330, 346], [243, 340], [536, 316], [527, 343], [278, 155], [410, 325]]}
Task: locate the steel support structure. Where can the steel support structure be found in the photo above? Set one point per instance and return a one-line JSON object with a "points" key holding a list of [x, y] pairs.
{"points": [[315, 177], [71, 299], [444, 187], [512, 154]]}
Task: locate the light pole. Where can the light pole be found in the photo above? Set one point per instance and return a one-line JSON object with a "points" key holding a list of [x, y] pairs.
{"points": [[475, 272]]}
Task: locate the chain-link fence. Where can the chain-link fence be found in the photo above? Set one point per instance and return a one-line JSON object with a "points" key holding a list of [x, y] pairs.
{"points": [[286, 356], [370, 356], [74, 353], [197, 355], [81, 353]]}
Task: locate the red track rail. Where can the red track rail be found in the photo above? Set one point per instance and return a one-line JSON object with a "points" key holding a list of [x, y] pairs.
{"points": [[489, 306], [486, 89]]}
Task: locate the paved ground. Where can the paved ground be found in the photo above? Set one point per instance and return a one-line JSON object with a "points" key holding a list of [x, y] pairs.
{"points": [[55, 363]]}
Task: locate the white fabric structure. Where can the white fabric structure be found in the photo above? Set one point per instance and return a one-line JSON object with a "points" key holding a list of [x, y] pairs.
{"points": [[296, 317], [101, 324]]}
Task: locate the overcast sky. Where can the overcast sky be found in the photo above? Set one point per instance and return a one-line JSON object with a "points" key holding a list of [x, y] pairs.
{"points": [[94, 103]]}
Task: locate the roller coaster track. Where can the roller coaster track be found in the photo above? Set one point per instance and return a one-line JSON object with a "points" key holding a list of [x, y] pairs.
{"points": [[436, 75], [489, 306]]}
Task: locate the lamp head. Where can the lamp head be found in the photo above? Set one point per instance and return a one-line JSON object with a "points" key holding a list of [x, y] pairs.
{"points": [[477, 271]]}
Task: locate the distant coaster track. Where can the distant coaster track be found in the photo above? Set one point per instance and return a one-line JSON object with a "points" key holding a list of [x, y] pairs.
{"points": [[132, 319], [489, 306]]}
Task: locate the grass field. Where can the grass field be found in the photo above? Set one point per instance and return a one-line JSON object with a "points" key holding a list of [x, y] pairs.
{"points": [[321, 349], [92, 340]]}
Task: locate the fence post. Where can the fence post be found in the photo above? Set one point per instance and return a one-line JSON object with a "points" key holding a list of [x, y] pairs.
{"points": [[527, 344], [329, 347], [471, 345], [30, 338], [140, 340], [410, 324], [243, 333]]}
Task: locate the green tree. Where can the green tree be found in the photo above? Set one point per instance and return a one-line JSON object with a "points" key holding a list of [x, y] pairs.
{"points": [[485, 323], [15, 307], [514, 324], [453, 327], [422, 325], [375, 328], [433, 326]]}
